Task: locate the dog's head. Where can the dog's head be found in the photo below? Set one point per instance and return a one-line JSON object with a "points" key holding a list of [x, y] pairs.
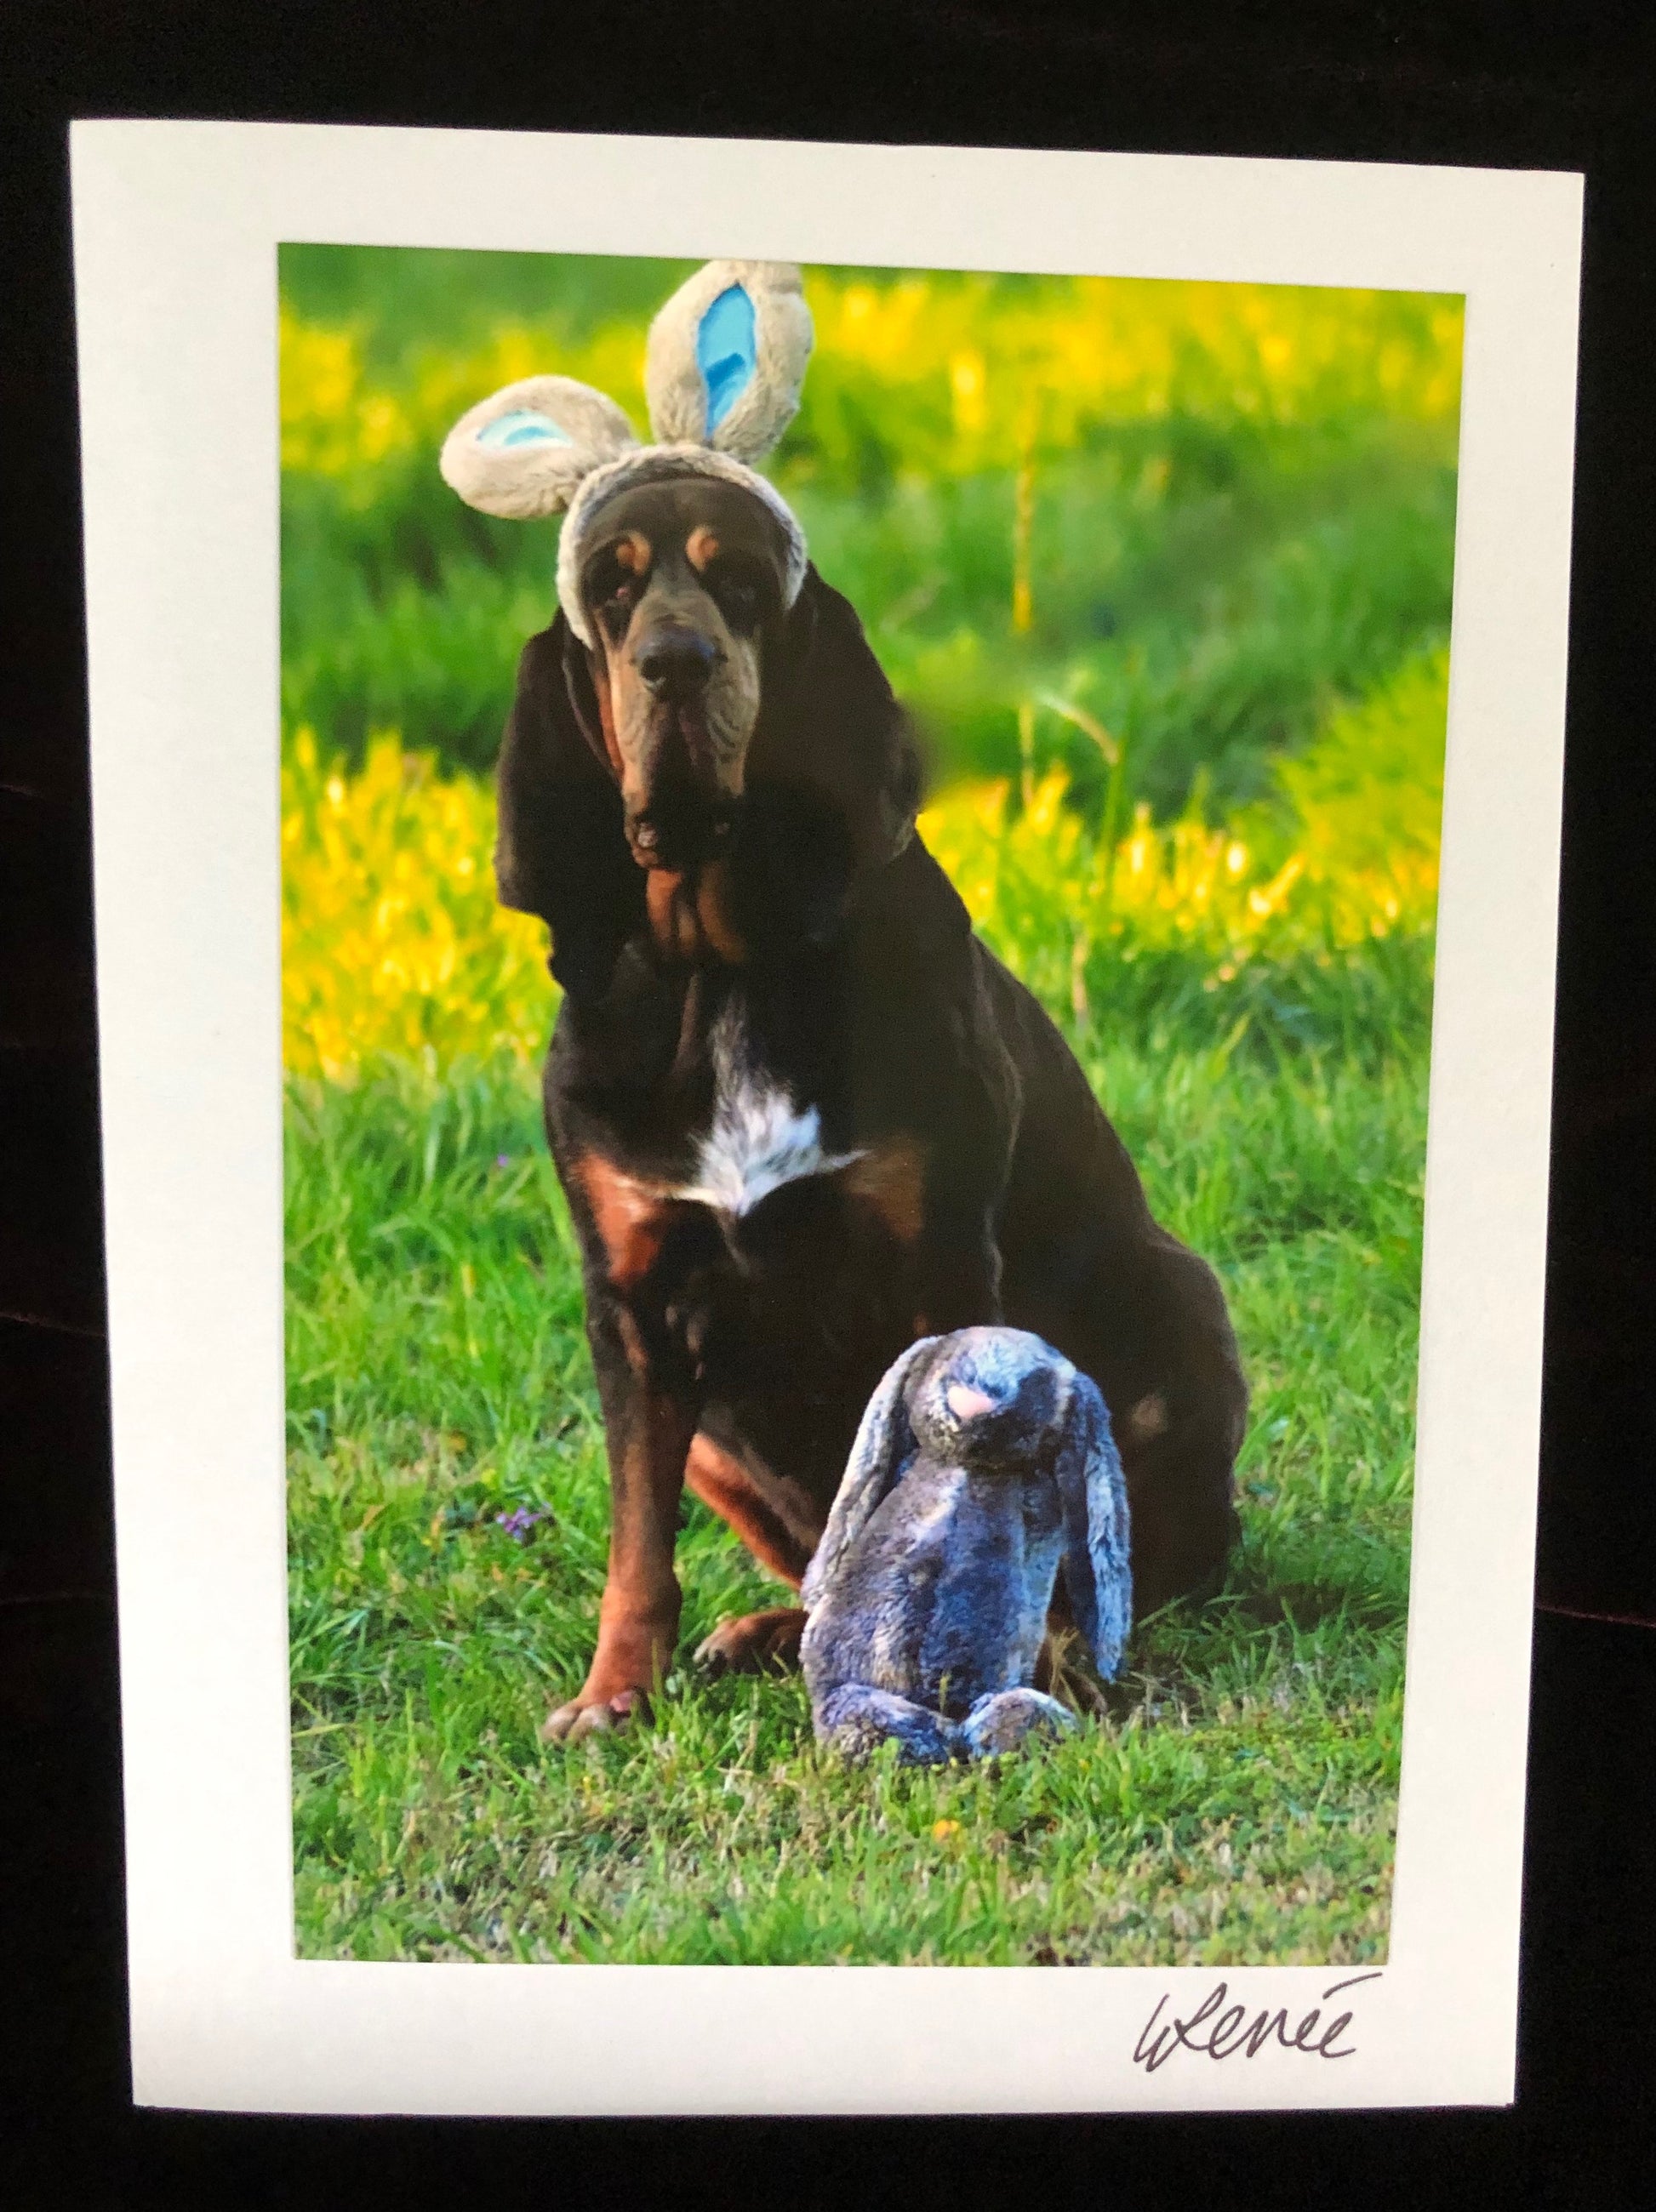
{"points": [[711, 740], [703, 738], [682, 584]]}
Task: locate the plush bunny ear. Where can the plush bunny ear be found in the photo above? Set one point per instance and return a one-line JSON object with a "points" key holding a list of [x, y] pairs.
{"points": [[1093, 1490], [726, 358], [524, 450], [885, 1444]]}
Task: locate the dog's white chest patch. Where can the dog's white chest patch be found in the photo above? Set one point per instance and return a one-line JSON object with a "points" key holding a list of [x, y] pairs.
{"points": [[759, 1137]]}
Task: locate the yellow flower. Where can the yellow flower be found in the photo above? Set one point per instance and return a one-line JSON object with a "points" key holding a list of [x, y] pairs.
{"points": [[392, 940]]}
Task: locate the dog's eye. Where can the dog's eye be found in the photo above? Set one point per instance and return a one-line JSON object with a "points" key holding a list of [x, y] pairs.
{"points": [[615, 613], [741, 590], [614, 592]]}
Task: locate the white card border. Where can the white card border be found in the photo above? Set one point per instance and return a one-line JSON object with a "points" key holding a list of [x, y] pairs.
{"points": [[176, 225]]}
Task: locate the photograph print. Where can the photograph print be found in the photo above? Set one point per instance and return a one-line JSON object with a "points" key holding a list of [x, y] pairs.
{"points": [[859, 874]]}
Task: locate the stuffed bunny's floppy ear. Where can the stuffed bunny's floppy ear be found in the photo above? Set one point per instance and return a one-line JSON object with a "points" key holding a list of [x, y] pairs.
{"points": [[1093, 1490], [526, 450], [884, 1446], [726, 358]]}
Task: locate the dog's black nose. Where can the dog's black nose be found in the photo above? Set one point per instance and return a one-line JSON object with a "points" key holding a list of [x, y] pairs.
{"points": [[677, 664]]}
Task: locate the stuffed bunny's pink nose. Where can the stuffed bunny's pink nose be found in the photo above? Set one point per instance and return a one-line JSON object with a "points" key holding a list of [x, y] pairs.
{"points": [[965, 1403]]}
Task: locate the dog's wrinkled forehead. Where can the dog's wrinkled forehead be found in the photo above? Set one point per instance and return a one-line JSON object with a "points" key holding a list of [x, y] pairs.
{"points": [[688, 524]]}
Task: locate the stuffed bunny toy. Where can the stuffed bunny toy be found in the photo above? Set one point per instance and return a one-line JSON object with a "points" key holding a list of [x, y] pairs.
{"points": [[723, 369], [984, 1461]]}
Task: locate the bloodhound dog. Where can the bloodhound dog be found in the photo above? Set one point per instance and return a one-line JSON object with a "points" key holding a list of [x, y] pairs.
{"points": [[802, 1116]]}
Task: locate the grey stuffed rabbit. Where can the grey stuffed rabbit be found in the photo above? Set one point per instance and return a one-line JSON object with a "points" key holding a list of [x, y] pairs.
{"points": [[984, 1461]]}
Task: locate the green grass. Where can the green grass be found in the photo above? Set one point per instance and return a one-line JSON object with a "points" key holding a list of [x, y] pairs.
{"points": [[1235, 1803], [1234, 570], [1227, 598]]}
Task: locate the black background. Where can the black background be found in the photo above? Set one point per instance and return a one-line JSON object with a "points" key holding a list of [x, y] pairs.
{"points": [[1509, 85]]}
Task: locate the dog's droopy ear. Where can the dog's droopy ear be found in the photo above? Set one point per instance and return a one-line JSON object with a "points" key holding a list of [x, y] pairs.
{"points": [[562, 851], [1092, 1491], [526, 450], [831, 725]]}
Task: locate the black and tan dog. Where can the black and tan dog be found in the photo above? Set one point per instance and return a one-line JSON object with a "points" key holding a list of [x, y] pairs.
{"points": [[802, 1116]]}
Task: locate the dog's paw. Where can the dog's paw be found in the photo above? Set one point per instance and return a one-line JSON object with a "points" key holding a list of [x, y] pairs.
{"points": [[585, 1716], [754, 1644]]}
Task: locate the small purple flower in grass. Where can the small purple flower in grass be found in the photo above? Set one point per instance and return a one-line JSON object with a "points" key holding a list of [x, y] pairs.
{"points": [[518, 1522], [502, 1159]]}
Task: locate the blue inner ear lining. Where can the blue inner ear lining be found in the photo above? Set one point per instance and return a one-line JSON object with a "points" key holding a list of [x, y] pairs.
{"points": [[727, 351], [522, 427]]}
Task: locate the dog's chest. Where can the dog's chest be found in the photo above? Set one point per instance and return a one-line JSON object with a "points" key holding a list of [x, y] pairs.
{"points": [[755, 1133], [760, 1134]]}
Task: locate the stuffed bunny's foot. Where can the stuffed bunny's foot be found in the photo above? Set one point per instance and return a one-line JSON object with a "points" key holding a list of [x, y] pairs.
{"points": [[1000, 1722], [854, 1720]]}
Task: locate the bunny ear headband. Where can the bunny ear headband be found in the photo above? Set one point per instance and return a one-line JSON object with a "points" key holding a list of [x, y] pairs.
{"points": [[722, 373]]}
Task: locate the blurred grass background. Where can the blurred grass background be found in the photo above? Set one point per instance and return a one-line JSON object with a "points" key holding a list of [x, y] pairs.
{"points": [[1206, 513], [1163, 571]]}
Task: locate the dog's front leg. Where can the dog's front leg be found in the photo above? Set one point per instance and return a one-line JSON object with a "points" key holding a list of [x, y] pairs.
{"points": [[648, 1423]]}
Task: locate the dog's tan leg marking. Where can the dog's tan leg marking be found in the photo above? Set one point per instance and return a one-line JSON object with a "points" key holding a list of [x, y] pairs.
{"points": [[647, 1430], [631, 1216], [638, 1613], [724, 1485], [755, 1642], [890, 1179]]}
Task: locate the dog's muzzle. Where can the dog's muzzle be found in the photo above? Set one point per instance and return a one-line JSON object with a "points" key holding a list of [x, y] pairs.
{"points": [[684, 813], [683, 821]]}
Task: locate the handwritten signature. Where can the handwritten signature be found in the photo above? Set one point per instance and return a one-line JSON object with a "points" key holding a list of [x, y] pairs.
{"points": [[1220, 2030]]}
